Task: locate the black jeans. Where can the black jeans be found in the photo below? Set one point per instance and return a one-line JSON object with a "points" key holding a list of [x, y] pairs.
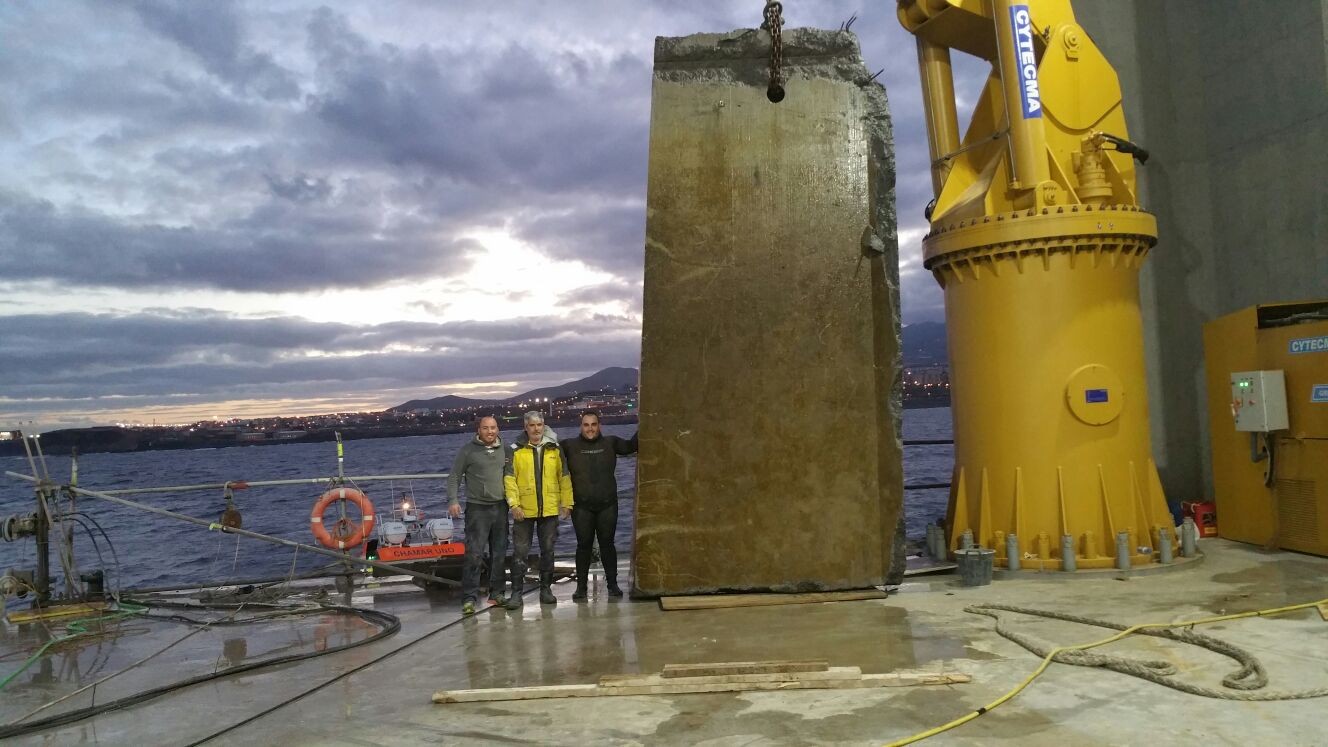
{"points": [[522, 531], [486, 534], [592, 523]]}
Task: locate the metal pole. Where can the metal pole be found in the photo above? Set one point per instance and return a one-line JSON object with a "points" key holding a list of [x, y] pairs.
{"points": [[73, 506], [269, 483], [43, 556], [266, 581], [43, 537], [341, 507], [246, 533]]}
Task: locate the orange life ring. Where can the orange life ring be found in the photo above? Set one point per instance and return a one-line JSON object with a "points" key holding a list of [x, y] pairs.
{"points": [[347, 532]]}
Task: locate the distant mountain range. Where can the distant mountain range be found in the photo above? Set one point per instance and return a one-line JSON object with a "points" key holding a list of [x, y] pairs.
{"points": [[614, 378], [924, 344]]}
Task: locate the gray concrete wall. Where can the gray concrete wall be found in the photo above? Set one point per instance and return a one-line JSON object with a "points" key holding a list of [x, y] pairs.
{"points": [[1231, 100]]}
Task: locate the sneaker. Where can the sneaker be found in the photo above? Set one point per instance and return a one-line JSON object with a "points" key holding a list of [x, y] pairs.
{"points": [[580, 594], [468, 607], [513, 602], [614, 591], [496, 601], [546, 596]]}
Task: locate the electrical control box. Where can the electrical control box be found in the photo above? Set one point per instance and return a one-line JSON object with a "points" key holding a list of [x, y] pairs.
{"points": [[1258, 401], [1280, 352]]}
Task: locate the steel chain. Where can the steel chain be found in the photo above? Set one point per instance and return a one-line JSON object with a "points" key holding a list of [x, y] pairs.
{"points": [[773, 23]]}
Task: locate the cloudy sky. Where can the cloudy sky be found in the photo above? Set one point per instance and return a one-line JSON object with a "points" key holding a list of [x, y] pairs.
{"points": [[217, 209]]}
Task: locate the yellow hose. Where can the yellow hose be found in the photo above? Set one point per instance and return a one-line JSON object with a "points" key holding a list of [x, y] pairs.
{"points": [[1083, 646]]}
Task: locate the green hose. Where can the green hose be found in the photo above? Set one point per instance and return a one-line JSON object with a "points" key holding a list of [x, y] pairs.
{"points": [[75, 629]]}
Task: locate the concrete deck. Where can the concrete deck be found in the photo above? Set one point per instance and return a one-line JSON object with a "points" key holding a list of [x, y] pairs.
{"points": [[387, 701]]}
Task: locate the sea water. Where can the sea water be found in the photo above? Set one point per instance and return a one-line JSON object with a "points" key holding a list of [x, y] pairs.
{"points": [[155, 551]]}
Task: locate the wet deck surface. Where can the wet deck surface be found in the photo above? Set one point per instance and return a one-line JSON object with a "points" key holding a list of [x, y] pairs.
{"points": [[386, 701]]}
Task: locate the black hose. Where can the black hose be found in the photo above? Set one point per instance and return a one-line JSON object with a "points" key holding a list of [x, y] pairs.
{"points": [[1270, 476], [115, 556], [338, 678], [96, 546], [388, 623]]}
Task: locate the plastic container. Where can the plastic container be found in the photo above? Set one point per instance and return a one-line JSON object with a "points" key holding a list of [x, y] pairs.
{"points": [[440, 529], [975, 565]]}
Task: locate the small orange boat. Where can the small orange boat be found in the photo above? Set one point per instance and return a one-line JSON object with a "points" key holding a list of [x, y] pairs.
{"points": [[408, 536]]}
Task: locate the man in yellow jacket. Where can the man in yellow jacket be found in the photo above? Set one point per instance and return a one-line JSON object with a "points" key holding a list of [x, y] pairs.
{"points": [[539, 491]]}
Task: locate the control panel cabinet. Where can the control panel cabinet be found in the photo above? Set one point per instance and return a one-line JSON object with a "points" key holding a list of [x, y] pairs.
{"points": [[1258, 401]]}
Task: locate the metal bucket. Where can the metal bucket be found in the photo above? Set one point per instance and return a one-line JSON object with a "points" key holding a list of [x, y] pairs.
{"points": [[975, 565]]}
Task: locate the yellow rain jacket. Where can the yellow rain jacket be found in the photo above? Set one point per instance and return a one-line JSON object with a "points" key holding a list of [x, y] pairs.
{"points": [[553, 489]]}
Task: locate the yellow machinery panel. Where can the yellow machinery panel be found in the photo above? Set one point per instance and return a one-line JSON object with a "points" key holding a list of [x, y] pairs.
{"points": [[1037, 238], [1289, 507]]}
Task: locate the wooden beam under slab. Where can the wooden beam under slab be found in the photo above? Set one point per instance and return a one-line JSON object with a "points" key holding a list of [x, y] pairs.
{"points": [[836, 678], [743, 667], [634, 680], [717, 601]]}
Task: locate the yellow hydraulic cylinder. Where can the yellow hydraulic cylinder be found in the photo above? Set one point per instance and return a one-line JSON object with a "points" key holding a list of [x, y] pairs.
{"points": [[1037, 238], [938, 99], [1016, 59]]}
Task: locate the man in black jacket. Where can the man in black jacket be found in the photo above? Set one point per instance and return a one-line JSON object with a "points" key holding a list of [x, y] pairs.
{"points": [[592, 459]]}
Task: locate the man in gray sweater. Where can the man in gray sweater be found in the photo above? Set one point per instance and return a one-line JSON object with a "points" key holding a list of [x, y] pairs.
{"points": [[479, 464]]}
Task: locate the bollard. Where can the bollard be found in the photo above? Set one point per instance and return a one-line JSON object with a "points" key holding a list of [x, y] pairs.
{"points": [[1011, 552], [1163, 545], [1067, 553], [1187, 536], [966, 540], [1123, 551]]}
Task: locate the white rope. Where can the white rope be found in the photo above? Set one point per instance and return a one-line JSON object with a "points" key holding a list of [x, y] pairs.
{"points": [[1249, 677]]}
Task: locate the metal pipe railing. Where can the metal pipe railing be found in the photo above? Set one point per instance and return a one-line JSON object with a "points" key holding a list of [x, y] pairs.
{"points": [[239, 484], [214, 526]]}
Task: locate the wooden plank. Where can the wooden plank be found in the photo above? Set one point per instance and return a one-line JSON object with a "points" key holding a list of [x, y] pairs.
{"points": [[831, 673], [743, 667], [684, 687], [914, 679], [717, 601], [517, 693], [929, 569], [59, 610]]}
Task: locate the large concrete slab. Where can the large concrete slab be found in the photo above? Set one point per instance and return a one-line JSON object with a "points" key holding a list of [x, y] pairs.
{"points": [[769, 408]]}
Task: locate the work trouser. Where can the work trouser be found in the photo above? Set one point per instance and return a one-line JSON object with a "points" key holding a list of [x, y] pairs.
{"points": [[486, 534], [522, 533], [591, 524]]}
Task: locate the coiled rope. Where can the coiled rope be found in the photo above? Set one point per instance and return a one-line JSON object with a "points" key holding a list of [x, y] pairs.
{"points": [[1250, 676]]}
